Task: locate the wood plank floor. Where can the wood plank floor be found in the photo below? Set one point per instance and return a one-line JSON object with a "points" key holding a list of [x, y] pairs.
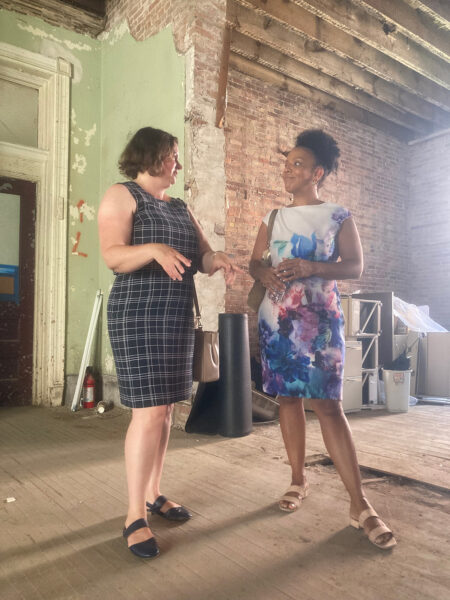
{"points": [[60, 538], [415, 444]]}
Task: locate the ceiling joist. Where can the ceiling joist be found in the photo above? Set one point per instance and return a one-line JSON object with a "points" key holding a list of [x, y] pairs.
{"points": [[413, 24], [300, 48], [437, 10], [273, 59], [317, 97], [335, 40], [389, 59], [378, 34], [83, 16]]}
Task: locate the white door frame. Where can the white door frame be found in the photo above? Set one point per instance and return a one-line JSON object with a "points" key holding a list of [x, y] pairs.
{"points": [[46, 165]]}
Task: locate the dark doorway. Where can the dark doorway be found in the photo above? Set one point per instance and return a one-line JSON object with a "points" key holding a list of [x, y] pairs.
{"points": [[17, 297]]}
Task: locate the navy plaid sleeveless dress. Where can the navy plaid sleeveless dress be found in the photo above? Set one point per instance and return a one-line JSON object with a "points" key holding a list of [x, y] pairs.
{"points": [[150, 317]]}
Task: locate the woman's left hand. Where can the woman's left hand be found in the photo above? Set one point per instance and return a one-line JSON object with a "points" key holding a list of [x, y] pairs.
{"points": [[290, 269], [220, 260]]}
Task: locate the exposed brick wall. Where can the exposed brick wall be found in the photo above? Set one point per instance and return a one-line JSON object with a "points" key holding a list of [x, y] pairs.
{"points": [[205, 175], [429, 226], [371, 182], [147, 17]]}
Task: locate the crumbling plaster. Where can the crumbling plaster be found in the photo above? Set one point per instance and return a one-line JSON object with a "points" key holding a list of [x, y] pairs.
{"points": [[205, 186]]}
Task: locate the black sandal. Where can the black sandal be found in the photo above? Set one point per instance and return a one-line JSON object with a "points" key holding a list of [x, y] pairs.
{"points": [[148, 548], [176, 513]]}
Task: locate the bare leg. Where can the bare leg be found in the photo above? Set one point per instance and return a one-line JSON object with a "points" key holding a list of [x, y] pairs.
{"points": [[339, 442], [142, 453], [153, 488], [293, 430]]}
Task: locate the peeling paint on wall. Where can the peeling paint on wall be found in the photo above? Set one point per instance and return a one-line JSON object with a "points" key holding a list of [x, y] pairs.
{"points": [[43, 34], [80, 213], [74, 214], [76, 242], [88, 133], [79, 164], [88, 211], [114, 35], [82, 209]]}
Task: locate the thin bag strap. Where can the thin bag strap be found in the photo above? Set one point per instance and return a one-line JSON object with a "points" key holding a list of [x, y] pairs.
{"points": [[198, 316], [273, 214]]}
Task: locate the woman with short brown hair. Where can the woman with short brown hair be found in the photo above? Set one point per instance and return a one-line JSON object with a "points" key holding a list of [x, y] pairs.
{"points": [[154, 245]]}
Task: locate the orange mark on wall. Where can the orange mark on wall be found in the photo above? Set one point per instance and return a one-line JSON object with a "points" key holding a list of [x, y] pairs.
{"points": [[75, 246], [79, 205]]}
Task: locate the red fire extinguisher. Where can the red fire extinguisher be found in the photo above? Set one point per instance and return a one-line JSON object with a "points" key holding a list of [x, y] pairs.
{"points": [[88, 389]]}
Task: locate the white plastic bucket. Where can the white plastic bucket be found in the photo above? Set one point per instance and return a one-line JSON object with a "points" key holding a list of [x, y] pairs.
{"points": [[396, 386]]}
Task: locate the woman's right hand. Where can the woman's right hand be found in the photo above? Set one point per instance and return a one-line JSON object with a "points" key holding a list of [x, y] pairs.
{"points": [[171, 260], [270, 280]]}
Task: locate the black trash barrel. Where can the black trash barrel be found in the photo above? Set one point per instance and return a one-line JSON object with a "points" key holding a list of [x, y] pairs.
{"points": [[235, 387]]}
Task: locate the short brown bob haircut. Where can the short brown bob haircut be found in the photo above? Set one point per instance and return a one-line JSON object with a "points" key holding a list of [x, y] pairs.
{"points": [[146, 151]]}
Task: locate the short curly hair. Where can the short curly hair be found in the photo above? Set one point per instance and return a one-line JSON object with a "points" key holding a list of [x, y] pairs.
{"points": [[146, 151], [323, 146]]}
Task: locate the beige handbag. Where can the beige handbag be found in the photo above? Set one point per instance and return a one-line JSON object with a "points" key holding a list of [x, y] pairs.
{"points": [[205, 365], [258, 291]]}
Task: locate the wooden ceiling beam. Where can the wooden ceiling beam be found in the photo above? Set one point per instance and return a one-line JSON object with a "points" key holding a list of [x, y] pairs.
{"points": [[273, 59], [297, 46], [335, 40], [438, 10], [414, 24], [60, 13], [97, 7], [221, 99], [349, 17], [330, 103]]}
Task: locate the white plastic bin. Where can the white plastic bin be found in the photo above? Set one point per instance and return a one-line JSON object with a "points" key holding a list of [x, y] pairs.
{"points": [[396, 386]]}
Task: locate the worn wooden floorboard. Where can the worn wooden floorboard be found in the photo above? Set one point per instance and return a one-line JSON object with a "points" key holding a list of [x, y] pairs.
{"points": [[61, 538]]}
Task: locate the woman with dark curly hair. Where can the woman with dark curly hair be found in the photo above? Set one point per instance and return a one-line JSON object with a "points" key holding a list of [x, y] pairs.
{"points": [[154, 245], [301, 325]]}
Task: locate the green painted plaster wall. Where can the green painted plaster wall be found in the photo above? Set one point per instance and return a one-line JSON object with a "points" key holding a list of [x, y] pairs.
{"points": [[119, 85]]}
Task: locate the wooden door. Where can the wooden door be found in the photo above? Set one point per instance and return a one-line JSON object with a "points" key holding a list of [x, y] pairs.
{"points": [[17, 315]]}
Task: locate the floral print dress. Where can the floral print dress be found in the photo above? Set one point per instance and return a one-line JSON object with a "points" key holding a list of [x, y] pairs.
{"points": [[302, 338]]}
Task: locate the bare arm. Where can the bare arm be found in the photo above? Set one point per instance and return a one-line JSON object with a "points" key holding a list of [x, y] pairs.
{"points": [[210, 260], [349, 267], [115, 224], [205, 250], [260, 272]]}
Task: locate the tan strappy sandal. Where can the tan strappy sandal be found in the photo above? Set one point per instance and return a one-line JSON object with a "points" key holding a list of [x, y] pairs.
{"points": [[301, 491], [376, 532]]}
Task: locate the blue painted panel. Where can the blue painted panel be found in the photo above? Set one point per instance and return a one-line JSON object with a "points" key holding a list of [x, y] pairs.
{"points": [[10, 271]]}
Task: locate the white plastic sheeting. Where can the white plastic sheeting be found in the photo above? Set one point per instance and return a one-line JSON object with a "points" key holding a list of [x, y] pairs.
{"points": [[414, 318]]}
